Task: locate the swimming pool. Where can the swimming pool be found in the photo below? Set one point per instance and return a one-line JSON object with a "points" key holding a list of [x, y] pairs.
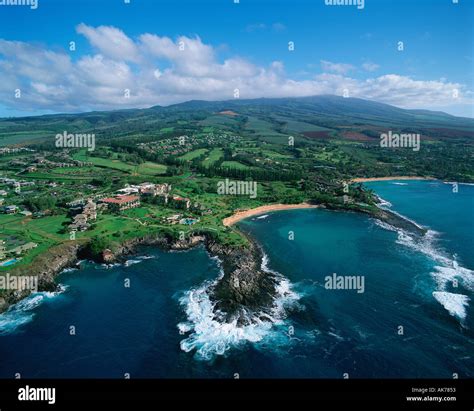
{"points": [[9, 262]]}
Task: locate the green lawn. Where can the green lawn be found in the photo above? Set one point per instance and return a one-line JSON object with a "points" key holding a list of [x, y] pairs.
{"points": [[148, 168], [235, 164], [43, 232], [193, 154], [215, 155]]}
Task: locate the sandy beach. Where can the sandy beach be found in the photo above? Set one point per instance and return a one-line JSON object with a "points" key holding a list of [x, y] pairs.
{"points": [[365, 180], [240, 215]]}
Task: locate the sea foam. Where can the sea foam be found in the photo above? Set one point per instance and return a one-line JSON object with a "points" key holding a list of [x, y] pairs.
{"points": [[444, 273], [23, 312], [210, 336], [456, 304]]}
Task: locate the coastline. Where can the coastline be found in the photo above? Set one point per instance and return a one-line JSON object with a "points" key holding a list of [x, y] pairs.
{"points": [[368, 179], [239, 264], [240, 215]]}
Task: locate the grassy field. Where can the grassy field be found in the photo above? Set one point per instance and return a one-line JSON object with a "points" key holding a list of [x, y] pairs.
{"points": [[147, 169], [193, 154], [235, 164], [44, 232], [23, 137], [215, 155]]}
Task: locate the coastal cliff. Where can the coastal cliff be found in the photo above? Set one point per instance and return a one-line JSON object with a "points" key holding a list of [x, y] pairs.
{"points": [[46, 266], [245, 287]]}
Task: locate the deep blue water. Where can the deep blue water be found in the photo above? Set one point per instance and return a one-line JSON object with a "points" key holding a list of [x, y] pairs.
{"points": [[160, 326]]}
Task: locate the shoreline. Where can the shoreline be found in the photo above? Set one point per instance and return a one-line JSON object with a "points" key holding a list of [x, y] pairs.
{"points": [[241, 215], [368, 179], [236, 262]]}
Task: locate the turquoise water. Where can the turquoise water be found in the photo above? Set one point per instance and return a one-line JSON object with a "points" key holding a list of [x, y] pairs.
{"points": [[161, 326], [9, 262]]}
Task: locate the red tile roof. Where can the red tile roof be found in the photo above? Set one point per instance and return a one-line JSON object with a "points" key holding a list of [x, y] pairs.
{"points": [[120, 200]]}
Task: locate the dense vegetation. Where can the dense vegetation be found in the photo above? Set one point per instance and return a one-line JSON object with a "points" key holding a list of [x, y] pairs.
{"points": [[295, 150]]}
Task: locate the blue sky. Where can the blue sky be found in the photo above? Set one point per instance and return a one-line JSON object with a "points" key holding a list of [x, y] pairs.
{"points": [[229, 46]]}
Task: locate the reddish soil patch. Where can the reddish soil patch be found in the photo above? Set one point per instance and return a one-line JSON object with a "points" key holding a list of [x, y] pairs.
{"points": [[317, 134], [229, 113]]}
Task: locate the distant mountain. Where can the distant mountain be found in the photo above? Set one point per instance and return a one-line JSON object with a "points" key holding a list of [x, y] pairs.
{"points": [[275, 116]]}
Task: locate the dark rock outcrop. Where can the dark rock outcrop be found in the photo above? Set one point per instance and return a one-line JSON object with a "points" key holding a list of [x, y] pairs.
{"points": [[244, 288]]}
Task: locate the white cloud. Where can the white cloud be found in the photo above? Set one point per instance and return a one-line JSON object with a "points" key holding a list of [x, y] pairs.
{"points": [[278, 27], [368, 66], [161, 70], [255, 27], [110, 41], [339, 68]]}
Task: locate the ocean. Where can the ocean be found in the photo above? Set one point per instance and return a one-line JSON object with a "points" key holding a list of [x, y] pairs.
{"points": [[152, 317]]}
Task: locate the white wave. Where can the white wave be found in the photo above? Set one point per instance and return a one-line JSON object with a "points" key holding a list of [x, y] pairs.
{"points": [[445, 276], [382, 202], [69, 270], [400, 184], [455, 303], [447, 269], [386, 226], [109, 266], [210, 336], [264, 264], [219, 264], [128, 263], [146, 257], [22, 312]]}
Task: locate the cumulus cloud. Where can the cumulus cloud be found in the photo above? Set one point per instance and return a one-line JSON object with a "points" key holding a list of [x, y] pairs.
{"points": [[370, 66], [161, 70], [339, 68], [110, 41]]}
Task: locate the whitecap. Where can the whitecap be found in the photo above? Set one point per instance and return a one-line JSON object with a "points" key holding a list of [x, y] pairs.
{"points": [[132, 262], [69, 270], [145, 257], [210, 336], [455, 303], [382, 202], [22, 312], [447, 269]]}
